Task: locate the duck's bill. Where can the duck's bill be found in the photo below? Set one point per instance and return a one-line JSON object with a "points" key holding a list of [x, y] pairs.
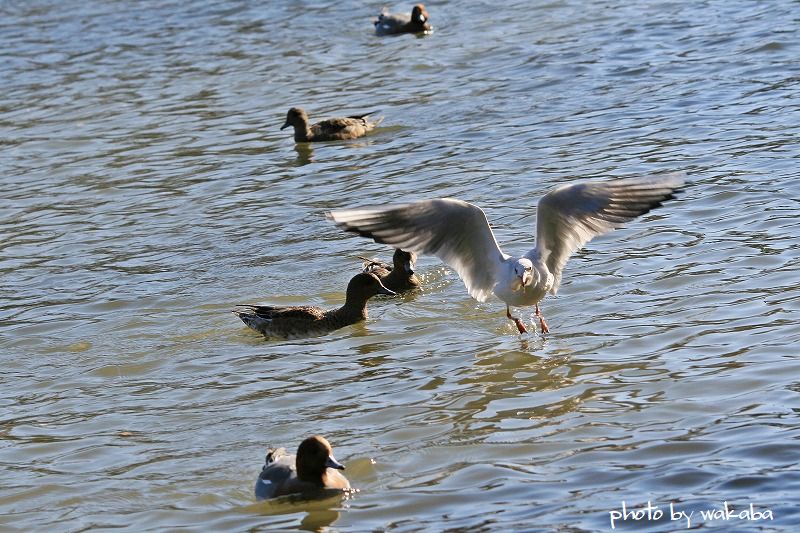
{"points": [[333, 463], [285, 126]]}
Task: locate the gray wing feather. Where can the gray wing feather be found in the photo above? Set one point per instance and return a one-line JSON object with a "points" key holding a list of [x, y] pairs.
{"points": [[455, 231], [571, 215]]}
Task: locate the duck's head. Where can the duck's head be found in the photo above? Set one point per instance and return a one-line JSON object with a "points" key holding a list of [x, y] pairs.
{"points": [[295, 117], [404, 261], [419, 15], [523, 274], [314, 456], [364, 286]]}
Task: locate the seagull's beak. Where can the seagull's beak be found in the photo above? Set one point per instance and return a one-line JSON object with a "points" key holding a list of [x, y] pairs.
{"points": [[524, 280], [333, 463]]}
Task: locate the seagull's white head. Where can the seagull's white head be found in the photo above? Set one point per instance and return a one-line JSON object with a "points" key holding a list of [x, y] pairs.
{"points": [[523, 274]]}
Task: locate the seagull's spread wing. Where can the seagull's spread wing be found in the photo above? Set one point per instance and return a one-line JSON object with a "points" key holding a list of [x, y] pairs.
{"points": [[571, 215], [456, 232]]}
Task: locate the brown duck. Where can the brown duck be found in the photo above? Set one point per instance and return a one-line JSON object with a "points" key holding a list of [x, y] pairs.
{"points": [[308, 321], [398, 277], [309, 473], [332, 129], [394, 23]]}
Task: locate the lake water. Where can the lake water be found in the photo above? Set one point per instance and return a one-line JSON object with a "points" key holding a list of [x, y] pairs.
{"points": [[145, 189]]}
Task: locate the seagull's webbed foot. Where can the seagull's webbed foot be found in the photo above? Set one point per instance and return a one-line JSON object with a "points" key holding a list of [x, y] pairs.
{"points": [[517, 321], [538, 314]]}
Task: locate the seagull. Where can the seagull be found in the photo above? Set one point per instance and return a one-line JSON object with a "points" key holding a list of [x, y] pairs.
{"points": [[458, 233]]}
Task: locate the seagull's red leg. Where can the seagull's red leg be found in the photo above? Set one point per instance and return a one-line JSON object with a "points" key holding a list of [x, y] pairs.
{"points": [[542, 323], [517, 321]]}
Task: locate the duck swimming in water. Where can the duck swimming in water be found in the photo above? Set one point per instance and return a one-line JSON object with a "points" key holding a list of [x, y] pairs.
{"points": [[332, 129], [394, 23], [309, 321], [399, 276], [309, 473]]}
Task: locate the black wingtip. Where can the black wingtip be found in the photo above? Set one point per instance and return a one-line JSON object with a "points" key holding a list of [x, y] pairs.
{"points": [[364, 233]]}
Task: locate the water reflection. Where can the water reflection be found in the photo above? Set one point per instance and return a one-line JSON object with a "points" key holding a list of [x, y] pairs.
{"points": [[305, 153], [317, 521], [318, 514]]}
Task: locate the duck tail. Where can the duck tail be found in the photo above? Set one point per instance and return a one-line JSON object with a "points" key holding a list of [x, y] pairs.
{"points": [[244, 309], [362, 115]]}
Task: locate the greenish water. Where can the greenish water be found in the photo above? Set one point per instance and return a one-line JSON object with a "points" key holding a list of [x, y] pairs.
{"points": [[145, 189]]}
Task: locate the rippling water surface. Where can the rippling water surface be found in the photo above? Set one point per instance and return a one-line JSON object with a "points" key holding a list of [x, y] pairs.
{"points": [[145, 189]]}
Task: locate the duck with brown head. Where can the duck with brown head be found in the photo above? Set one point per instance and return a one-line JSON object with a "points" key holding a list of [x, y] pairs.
{"points": [[308, 321], [394, 23], [399, 276], [310, 472], [332, 129]]}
